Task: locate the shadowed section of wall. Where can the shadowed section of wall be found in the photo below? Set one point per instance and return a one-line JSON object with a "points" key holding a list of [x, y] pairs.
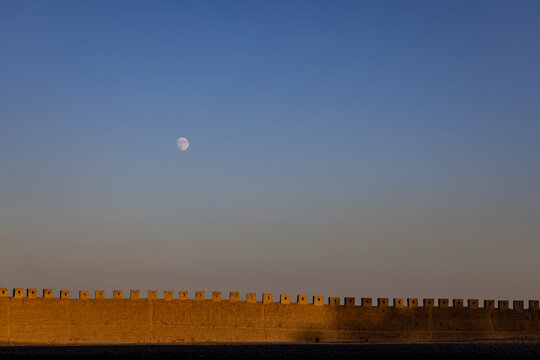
{"points": [[152, 320]]}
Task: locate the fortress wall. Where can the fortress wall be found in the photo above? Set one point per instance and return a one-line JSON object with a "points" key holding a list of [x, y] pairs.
{"points": [[49, 320]]}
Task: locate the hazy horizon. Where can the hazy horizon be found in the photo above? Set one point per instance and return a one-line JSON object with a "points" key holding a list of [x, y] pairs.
{"points": [[383, 149]]}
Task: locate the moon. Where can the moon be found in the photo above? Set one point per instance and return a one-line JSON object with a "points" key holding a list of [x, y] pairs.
{"points": [[182, 143]]}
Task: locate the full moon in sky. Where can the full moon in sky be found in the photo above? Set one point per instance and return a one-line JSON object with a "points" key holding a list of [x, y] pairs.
{"points": [[182, 143]]}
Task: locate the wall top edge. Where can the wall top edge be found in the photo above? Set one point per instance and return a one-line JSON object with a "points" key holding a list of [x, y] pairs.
{"points": [[268, 298]]}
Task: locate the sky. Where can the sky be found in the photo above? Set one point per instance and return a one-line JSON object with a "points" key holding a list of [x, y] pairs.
{"points": [[337, 148]]}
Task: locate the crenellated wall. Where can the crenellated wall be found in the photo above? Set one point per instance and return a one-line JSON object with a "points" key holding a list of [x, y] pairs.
{"points": [[132, 318]]}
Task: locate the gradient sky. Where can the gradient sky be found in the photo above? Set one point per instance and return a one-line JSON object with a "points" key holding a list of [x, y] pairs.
{"points": [[338, 148]]}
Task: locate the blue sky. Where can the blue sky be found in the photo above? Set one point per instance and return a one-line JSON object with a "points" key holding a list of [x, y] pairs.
{"points": [[337, 148]]}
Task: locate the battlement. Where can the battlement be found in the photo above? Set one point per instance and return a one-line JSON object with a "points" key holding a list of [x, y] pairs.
{"points": [[234, 296], [139, 317]]}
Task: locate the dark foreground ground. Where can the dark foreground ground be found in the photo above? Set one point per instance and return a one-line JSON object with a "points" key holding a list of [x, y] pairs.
{"points": [[509, 350]]}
